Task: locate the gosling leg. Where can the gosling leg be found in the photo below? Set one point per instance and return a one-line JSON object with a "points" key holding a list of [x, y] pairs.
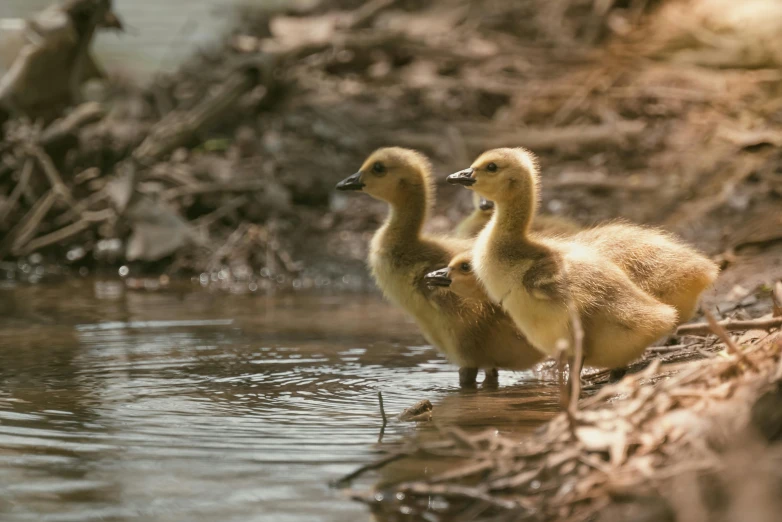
{"points": [[467, 377], [491, 378], [574, 381], [564, 387]]}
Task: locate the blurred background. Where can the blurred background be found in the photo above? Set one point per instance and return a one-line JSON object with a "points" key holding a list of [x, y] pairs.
{"points": [[160, 35], [187, 327]]}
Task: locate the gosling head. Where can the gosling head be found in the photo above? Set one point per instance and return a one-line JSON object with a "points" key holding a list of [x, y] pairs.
{"points": [[457, 277], [484, 205], [500, 174], [391, 174]]}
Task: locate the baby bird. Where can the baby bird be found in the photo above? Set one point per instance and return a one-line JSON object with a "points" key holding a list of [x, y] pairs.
{"points": [[534, 278], [658, 262], [459, 278], [470, 333], [474, 223], [484, 209], [505, 347]]}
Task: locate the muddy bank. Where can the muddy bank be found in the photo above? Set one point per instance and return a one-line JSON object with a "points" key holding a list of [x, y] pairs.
{"points": [[225, 169], [695, 440]]}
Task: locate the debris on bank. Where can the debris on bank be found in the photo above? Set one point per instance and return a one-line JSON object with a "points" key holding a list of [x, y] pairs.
{"points": [[224, 170], [696, 440]]}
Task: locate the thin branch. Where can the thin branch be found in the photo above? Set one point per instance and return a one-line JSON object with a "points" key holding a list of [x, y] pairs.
{"points": [[766, 323], [21, 185], [32, 220], [776, 297], [730, 344], [345, 480], [382, 414], [53, 175]]}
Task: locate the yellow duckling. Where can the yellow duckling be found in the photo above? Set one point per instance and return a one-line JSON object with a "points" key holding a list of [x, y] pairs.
{"points": [[466, 331], [474, 223], [484, 208], [459, 278], [535, 278], [658, 262], [504, 346]]}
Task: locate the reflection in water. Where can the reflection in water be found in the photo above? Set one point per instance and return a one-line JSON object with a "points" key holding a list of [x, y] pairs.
{"points": [[195, 406]]}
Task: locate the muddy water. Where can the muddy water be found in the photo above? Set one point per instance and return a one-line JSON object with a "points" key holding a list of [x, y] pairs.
{"points": [[196, 405]]}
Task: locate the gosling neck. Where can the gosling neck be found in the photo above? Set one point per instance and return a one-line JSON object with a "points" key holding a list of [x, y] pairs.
{"points": [[408, 213], [514, 217]]}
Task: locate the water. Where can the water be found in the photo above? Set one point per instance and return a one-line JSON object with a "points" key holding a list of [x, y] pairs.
{"points": [[191, 405]]}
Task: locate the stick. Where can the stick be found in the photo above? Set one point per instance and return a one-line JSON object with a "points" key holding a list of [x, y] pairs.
{"points": [[446, 490], [765, 323], [382, 414], [729, 343], [221, 212], [776, 297], [32, 220], [69, 125], [345, 480], [24, 179], [54, 177], [54, 237], [177, 128]]}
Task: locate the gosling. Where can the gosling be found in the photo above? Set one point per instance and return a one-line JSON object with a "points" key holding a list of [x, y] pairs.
{"points": [[469, 332], [536, 278]]}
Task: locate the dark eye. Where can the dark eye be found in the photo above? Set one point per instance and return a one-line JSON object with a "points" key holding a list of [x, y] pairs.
{"points": [[378, 168], [491, 167], [465, 267]]}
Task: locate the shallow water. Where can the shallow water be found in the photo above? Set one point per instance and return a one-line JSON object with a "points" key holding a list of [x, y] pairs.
{"points": [[194, 405]]}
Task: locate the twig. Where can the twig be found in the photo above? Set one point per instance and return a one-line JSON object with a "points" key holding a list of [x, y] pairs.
{"points": [[776, 298], [383, 415], [724, 336], [24, 179], [32, 220], [54, 177], [177, 128], [345, 480], [765, 323], [54, 237], [446, 490], [225, 209], [69, 125]]}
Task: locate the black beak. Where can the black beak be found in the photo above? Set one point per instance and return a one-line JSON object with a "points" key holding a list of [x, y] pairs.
{"points": [[438, 278], [351, 182], [463, 177], [485, 204]]}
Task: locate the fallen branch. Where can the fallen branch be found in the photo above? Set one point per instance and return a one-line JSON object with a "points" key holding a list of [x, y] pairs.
{"points": [[731, 325], [69, 125], [53, 175], [383, 415], [31, 221], [341, 482], [730, 344], [21, 185]]}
